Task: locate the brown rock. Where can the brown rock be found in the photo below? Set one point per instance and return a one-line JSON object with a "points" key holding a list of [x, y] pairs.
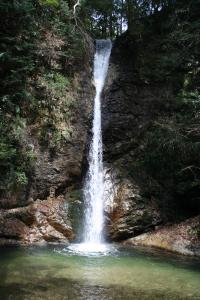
{"points": [[41, 221], [183, 238], [128, 211]]}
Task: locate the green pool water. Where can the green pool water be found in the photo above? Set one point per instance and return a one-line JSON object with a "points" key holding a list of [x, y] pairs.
{"points": [[52, 273]]}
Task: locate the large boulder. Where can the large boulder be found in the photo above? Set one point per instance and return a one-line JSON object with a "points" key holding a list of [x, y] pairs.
{"points": [[40, 222], [128, 211], [182, 238]]}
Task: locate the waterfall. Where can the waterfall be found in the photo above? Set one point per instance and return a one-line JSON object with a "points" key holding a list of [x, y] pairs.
{"points": [[94, 184], [94, 181]]}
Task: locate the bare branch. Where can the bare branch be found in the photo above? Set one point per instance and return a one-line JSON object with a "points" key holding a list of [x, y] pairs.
{"points": [[75, 6]]}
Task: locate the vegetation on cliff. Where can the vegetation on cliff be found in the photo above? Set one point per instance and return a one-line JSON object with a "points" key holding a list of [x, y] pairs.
{"points": [[168, 55], [42, 49]]}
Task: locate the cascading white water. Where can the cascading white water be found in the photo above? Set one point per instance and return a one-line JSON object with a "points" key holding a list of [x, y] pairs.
{"points": [[94, 186], [94, 183]]}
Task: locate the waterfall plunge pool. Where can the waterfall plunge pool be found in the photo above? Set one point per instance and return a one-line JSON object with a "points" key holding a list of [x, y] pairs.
{"points": [[120, 274]]}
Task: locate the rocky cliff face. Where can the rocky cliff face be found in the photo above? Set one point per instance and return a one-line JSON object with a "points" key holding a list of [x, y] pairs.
{"points": [[140, 194], [56, 163], [182, 238], [37, 211], [135, 201]]}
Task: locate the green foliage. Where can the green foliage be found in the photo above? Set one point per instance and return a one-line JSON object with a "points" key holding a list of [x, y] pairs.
{"points": [[167, 150], [7, 153], [56, 83], [171, 148], [16, 157], [166, 37], [194, 231], [49, 2], [105, 17], [40, 51], [21, 178], [189, 102]]}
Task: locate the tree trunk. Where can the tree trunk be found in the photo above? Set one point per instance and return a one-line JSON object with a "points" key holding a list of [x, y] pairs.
{"points": [[121, 17], [110, 26], [104, 27], [130, 14]]}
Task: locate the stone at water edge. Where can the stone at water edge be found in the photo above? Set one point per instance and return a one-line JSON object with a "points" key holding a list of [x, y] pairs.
{"points": [[183, 238], [40, 222], [128, 211]]}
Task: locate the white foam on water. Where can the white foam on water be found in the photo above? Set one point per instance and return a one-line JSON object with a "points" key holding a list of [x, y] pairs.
{"points": [[90, 249]]}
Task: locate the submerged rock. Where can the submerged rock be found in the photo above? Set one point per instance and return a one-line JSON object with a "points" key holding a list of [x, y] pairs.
{"points": [[182, 238]]}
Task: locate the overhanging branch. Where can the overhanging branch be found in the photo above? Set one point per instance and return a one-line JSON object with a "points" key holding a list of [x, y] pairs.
{"points": [[75, 6]]}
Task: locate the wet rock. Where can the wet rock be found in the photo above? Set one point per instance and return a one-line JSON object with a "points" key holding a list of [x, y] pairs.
{"points": [[182, 238], [40, 222], [128, 211]]}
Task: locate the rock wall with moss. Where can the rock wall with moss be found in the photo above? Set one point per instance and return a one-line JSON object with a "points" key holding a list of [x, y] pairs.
{"points": [[46, 95], [151, 127]]}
